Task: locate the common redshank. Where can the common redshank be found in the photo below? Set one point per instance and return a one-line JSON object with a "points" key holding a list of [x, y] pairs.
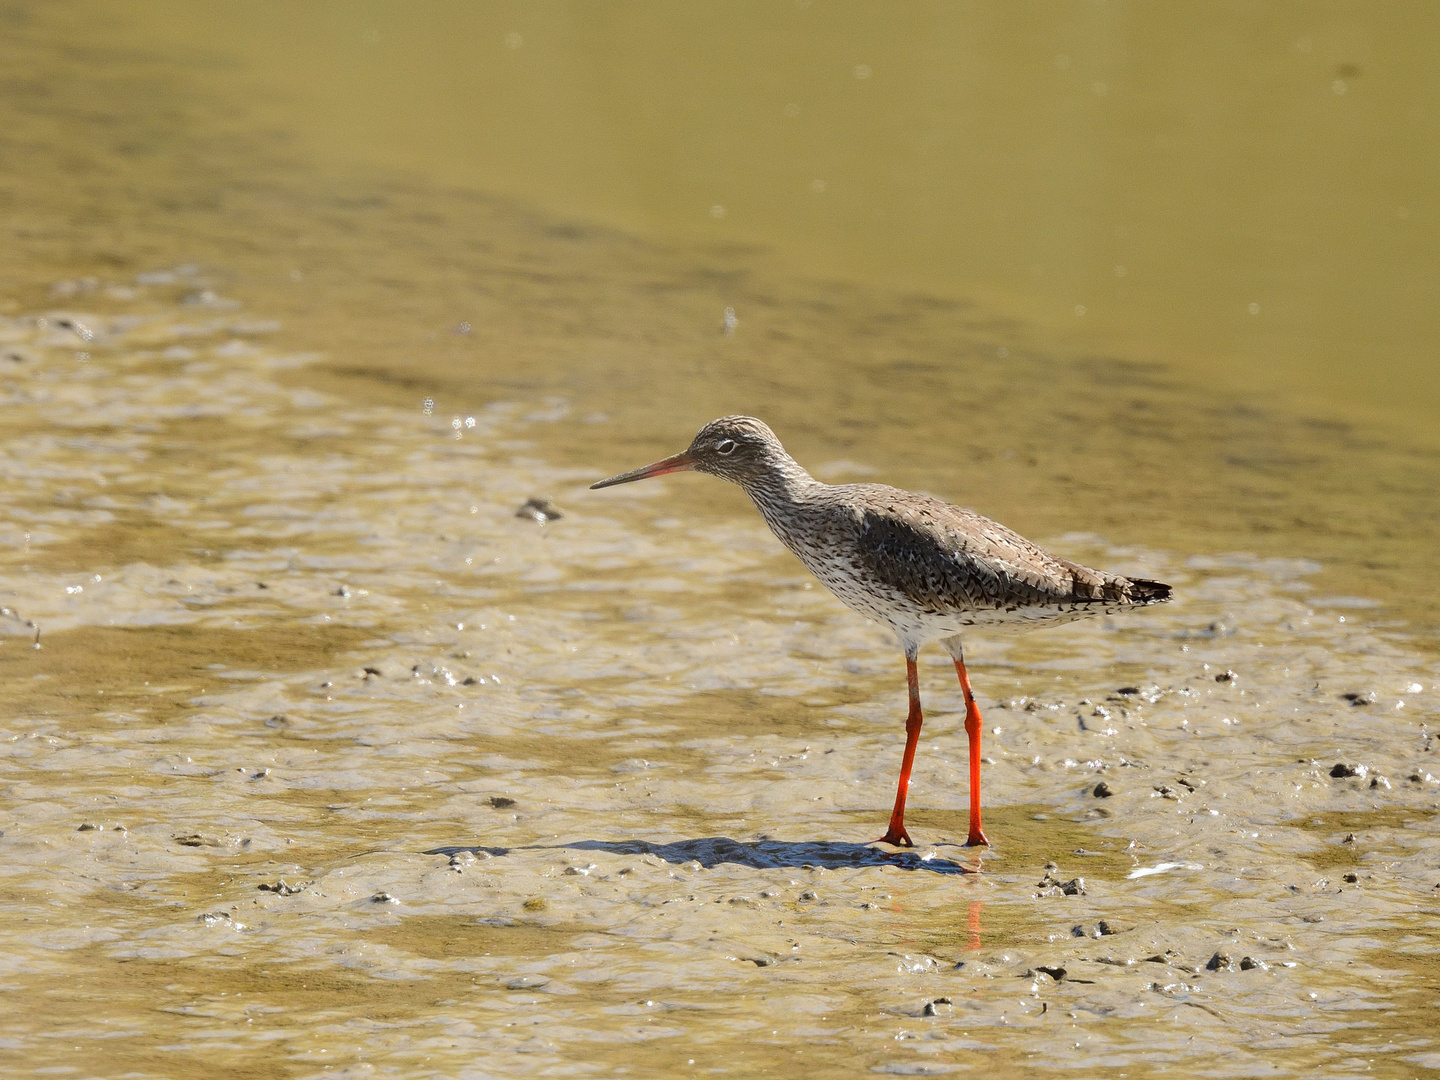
{"points": [[928, 570]]}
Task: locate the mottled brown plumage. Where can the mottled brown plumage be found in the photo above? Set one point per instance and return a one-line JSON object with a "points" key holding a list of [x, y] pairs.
{"points": [[926, 569]]}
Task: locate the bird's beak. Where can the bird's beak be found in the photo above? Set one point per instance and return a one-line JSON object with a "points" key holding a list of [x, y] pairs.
{"points": [[681, 462]]}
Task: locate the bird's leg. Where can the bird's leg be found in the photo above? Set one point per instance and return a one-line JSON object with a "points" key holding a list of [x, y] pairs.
{"points": [[896, 834], [972, 731]]}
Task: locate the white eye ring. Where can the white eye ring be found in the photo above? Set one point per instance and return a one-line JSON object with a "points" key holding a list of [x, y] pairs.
{"points": [[725, 446]]}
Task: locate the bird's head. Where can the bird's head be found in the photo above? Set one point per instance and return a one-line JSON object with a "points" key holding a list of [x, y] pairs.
{"points": [[737, 448]]}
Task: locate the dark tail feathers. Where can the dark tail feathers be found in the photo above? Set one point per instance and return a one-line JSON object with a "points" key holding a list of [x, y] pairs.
{"points": [[1147, 592]]}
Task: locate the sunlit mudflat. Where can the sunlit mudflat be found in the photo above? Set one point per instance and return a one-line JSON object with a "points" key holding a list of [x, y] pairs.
{"points": [[330, 763], [342, 754]]}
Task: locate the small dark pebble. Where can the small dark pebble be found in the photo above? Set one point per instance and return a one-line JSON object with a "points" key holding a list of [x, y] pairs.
{"points": [[1351, 879], [539, 510], [1220, 962], [282, 887], [501, 802], [88, 827], [1102, 790], [1341, 770]]}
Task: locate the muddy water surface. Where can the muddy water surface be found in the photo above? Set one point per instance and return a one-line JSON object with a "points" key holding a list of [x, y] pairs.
{"points": [[330, 763]]}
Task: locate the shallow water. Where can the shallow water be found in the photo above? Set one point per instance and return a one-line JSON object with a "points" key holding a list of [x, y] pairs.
{"points": [[329, 763], [338, 761]]}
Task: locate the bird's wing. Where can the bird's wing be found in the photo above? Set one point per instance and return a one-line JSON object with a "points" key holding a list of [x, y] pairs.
{"points": [[946, 558]]}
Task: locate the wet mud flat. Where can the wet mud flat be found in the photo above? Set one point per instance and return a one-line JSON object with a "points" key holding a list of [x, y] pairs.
{"points": [[331, 763]]}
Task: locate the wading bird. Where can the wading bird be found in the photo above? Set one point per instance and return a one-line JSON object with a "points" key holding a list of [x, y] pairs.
{"points": [[928, 570]]}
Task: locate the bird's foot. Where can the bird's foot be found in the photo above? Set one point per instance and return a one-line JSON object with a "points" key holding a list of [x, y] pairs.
{"points": [[899, 837], [977, 839]]}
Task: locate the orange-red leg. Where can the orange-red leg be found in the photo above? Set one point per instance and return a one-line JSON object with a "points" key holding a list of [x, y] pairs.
{"points": [[896, 834], [972, 731]]}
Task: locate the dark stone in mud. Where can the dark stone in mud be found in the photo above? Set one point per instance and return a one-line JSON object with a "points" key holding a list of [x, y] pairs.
{"points": [[1051, 884], [1220, 962], [538, 510], [88, 827], [1341, 770], [1220, 628], [283, 888], [1102, 790], [501, 802]]}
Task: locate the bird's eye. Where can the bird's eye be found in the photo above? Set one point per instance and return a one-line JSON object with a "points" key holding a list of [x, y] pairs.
{"points": [[725, 446]]}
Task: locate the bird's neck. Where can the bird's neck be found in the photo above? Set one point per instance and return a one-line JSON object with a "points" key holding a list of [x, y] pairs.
{"points": [[780, 491]]}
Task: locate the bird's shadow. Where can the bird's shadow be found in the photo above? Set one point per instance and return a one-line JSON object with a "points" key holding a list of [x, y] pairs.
{"points": [[712, 851]]}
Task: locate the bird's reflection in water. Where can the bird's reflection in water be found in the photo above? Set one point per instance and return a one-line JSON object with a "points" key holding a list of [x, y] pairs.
{"points": [[972, 924]]}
